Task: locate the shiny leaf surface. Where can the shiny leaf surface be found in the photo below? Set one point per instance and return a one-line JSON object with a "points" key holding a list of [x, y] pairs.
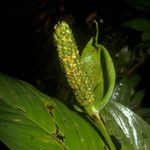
{"points": [[129, 129]]}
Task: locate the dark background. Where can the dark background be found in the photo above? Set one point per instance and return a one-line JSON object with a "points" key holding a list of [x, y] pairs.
{"points": [[22, 27]]}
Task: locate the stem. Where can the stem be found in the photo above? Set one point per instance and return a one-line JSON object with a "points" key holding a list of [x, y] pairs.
{"points": [[96, 118]]}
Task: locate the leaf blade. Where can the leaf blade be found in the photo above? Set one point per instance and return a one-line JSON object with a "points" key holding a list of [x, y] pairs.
{"points": [[131, 131], [19, 123]]}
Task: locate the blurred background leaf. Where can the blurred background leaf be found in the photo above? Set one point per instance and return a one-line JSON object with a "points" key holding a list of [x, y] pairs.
{"points": [[139, 24], [142, 5]]}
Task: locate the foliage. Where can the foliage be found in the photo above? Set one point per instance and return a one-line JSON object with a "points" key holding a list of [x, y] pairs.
{"points": [[130, 59], [142, 5], [131, 131], [31, 120]]}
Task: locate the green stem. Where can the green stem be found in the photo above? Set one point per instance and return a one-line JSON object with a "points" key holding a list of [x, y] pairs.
{"points": [[97, 121]]}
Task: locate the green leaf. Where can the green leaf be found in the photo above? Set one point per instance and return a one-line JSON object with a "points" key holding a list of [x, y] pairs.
{"points": [[137, 99], [100, 69], [30, 120], [145, 114], [129, 129], [148, 51], [145, 45], [146, 36], [123, 58], [124, 90], [140, 4], [139, 24]]}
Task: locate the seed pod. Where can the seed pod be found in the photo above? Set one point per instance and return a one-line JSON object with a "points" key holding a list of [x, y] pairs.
{"points": [[71, 62]]}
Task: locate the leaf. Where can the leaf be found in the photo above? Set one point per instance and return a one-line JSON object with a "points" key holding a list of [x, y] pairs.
{"points": [[137, 99], [123, 58], [129, 129], [140, 4], [148, 51], [31, 120], [92, 62], [145, 114], [100, 69], [139, 24], [146, 36], [124, 90], [145, 45]]}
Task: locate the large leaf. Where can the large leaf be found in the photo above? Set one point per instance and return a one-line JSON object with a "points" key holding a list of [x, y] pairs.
{"points": [[130, 130], [30, 120]]}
